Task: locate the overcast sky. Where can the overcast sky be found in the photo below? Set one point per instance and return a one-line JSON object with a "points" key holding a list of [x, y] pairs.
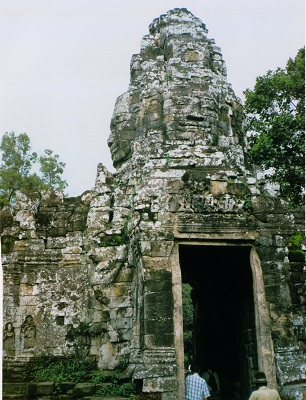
{"points": [[64, 63]]}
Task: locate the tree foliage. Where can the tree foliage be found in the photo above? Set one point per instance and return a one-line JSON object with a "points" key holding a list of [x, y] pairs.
{"points": [[188, 315], [16, 169], [52, 169], [276, 112]]}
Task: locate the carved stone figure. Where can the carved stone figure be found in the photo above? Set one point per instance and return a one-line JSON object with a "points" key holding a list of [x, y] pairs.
{"points": [[9, 340], [28, 329], [102, 273]]}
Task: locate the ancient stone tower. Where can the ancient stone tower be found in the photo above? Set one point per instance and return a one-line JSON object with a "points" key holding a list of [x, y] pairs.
{"points": [[184, 207]]}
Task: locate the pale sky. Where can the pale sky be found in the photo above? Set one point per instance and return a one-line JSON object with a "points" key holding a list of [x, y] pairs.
{"points": [[64, 63]]}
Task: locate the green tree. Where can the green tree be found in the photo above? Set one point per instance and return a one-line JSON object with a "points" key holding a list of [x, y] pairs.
{"points": [[276, 113], [52, 169], [16, 169], [16, 163]]}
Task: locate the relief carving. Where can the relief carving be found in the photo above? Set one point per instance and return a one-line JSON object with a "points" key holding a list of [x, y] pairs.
{"points": [[9, 340], [28, 329]]}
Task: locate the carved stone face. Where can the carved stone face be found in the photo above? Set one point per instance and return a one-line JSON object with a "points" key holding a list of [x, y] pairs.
{"points": [[9, 327], [177, 94], [122, 130]]}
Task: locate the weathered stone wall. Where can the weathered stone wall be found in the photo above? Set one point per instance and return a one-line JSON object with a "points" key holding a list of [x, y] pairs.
{"points": [[45, 276], [100, 275]]}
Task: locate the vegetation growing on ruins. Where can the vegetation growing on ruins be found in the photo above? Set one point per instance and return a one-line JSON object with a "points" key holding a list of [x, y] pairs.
{"points": [[295, 247], [276, 112], [16, 169], [115, 240], [49, 369], [247, 204], [79, 368]]}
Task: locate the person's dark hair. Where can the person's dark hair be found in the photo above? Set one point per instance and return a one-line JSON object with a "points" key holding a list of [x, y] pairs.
{"points": [[195, 367]]}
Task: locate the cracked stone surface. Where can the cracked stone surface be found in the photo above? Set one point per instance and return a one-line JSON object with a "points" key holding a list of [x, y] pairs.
{"points": [[105, 262]]}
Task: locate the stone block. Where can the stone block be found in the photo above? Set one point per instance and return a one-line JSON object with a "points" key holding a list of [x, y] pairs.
{"points": [[103, 200], [156, 249], [218, 187], [125, 275], [121, 289], [292, 365], [104, 398], [19, 245], [7, 244], [15, 388], [25, 290], [160, 339], [161, 286], [156, 262], [295, 392], [169, 396], [159, 370], [158, 305], [64, 387], [84, 389], [32, 390], [296, 267], [55, 243], [161, 384], [120, 301], [248, 336], [160, 275], [77, 225], [124, 335], [121, 312], [122, 323], [45, 388], [158, 326]]}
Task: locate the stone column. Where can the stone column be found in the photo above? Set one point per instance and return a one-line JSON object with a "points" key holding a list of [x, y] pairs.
{"points": [[263, 324]]}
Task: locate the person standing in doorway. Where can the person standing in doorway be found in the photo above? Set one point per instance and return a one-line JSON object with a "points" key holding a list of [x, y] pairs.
{"points": [[195, 387], [263, 392], [212, 379]]}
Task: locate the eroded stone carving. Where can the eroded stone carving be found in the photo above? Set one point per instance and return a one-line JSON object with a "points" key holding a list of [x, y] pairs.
{"points": [[108, 261], [9, 340], [28, 329]]}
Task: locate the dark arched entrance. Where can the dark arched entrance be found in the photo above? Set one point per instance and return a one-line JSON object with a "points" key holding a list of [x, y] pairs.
{"points": [[224, 323]]}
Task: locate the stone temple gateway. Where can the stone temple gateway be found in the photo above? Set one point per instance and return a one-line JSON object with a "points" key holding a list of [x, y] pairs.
{"points": [[184, 207]]}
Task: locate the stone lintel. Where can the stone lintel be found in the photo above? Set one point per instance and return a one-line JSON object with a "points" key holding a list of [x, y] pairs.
{"points": [[220, 238], [214, 225]]}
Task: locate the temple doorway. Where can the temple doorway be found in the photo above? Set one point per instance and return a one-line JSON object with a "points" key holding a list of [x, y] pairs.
{"points": [[221, 334]]}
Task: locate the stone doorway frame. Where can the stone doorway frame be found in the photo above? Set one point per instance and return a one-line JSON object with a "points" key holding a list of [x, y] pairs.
{"points": [[265, 348]]}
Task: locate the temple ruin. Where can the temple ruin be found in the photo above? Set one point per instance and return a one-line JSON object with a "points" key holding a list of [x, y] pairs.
{"points": [[183, 207]]}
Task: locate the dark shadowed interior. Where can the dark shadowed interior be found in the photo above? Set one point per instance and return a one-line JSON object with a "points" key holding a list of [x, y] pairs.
{"points": [[224, 335]]}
